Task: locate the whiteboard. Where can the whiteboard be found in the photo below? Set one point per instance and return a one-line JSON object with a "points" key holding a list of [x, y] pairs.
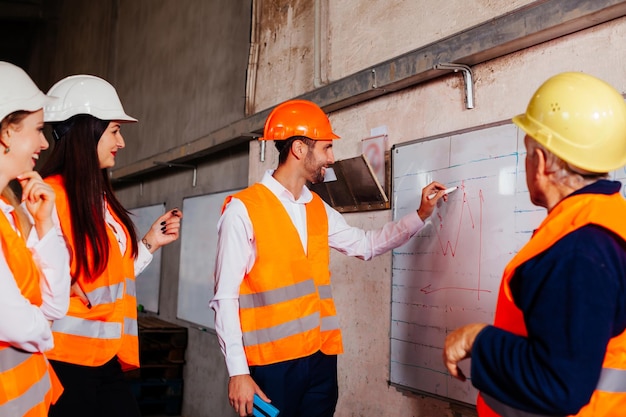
{"points": [[448, 275], [149, 281], [197, 258]]}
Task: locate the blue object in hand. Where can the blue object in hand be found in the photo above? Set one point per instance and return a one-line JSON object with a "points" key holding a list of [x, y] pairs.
{"points": [[263, 409]]}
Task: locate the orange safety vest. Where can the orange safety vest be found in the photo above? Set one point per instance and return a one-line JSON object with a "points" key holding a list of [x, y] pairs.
{"points": [[28, 385], [285, 301], [93, 336], [609, 397]]}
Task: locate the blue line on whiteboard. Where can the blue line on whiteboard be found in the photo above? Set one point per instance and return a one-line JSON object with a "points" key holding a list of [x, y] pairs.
{"points": [[472, 161], [528, 210]]}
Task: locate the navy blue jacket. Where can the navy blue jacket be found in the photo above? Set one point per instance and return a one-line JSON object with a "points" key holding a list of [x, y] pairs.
{"points": [[573, 297]]}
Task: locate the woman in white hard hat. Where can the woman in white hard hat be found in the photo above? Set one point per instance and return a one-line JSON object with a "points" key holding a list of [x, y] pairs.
{"points": [[98, 339], [34, 261]]}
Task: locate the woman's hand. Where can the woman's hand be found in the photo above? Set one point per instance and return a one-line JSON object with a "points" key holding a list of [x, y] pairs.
{"points": [[39, 200], [164, 230]]}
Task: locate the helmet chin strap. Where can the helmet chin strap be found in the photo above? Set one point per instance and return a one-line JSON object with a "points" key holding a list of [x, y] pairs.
{"points": [[61, 129]]}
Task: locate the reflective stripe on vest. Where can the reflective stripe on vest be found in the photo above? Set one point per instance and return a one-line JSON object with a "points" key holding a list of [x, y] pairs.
{"points": [[94, 329], [506, 411], [79, 326], [330, 323], [278, 295], [612, 380], [130, 327], [325, 292], [36, 393], [272, 334], [11, 357], [572, 213], [130, 323], [293, 327], [131, 287], [285, 302], [92, 337], [25, 376], [106, 295]]}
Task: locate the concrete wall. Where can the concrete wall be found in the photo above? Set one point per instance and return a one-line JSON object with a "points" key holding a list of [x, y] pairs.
{"points": [[503, 87], [353, 35], [180, 67]]}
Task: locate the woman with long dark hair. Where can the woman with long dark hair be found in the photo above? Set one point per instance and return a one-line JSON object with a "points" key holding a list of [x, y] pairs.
{"points": [[97, 340], [34, 261]]}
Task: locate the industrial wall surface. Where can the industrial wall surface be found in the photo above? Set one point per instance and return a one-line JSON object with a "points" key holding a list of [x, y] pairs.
{"points": [[359, 35], [306, 43], [179, 67], [186, 68]]}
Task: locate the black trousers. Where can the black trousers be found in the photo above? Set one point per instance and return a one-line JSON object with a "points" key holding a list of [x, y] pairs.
{"points": [[95, 391], [305, 387]]}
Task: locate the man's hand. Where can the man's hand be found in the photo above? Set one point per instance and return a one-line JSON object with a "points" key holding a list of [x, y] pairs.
{"points": [[241, 390], [427, 206], [458, 346]]}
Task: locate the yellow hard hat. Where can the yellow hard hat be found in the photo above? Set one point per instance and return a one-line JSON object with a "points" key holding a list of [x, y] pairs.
{"points": [[579, 118], [298, 118]]}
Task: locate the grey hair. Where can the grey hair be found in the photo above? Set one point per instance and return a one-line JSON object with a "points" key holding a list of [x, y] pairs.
{"points": [[563, 172]]}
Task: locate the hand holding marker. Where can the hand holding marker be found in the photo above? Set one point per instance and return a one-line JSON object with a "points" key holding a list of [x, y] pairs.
{"points": [[446, 191]]}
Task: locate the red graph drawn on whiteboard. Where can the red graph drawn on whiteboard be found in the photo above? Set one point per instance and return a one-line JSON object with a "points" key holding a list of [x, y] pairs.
{"points": [[449, 247]]}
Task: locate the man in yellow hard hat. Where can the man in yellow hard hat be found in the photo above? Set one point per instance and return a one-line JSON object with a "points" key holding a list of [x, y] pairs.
{"points": [[274, 311], [558, 342]]}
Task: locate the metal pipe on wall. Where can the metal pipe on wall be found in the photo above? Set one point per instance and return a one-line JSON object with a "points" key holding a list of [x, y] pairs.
{"points": [[253, 59], [317, 53]]}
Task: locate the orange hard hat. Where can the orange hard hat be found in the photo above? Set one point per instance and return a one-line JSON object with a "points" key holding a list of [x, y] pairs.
{"points": [[298, 118]]}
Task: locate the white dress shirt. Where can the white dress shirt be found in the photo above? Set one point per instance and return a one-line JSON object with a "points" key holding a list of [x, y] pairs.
{"points": [[236, 254], [144, 257], [23, 324]]}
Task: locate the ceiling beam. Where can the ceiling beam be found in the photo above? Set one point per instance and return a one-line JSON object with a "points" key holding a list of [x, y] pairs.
{"points": [[531, 25]]}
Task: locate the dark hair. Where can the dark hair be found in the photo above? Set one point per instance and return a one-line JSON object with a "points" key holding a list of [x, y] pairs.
{"points": [[284, 146], [75, 159]]}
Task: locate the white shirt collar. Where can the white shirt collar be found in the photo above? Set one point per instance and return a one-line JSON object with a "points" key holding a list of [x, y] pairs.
{"points": [[281, 192], [6, 207]]}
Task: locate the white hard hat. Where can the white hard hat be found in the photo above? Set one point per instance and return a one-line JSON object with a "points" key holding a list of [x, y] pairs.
{"points": [[18, 91], [85, 94]]}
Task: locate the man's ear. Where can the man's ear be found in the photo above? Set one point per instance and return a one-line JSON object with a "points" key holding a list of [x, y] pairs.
{"points": [[298, 149], [540, 160]]}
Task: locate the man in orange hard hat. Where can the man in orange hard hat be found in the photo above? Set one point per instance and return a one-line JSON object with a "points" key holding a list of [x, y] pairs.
{"points": [[558, 343], [274, 311]]}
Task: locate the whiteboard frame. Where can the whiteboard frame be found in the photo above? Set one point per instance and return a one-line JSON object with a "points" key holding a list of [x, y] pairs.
{"points": [[532, 217]]}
